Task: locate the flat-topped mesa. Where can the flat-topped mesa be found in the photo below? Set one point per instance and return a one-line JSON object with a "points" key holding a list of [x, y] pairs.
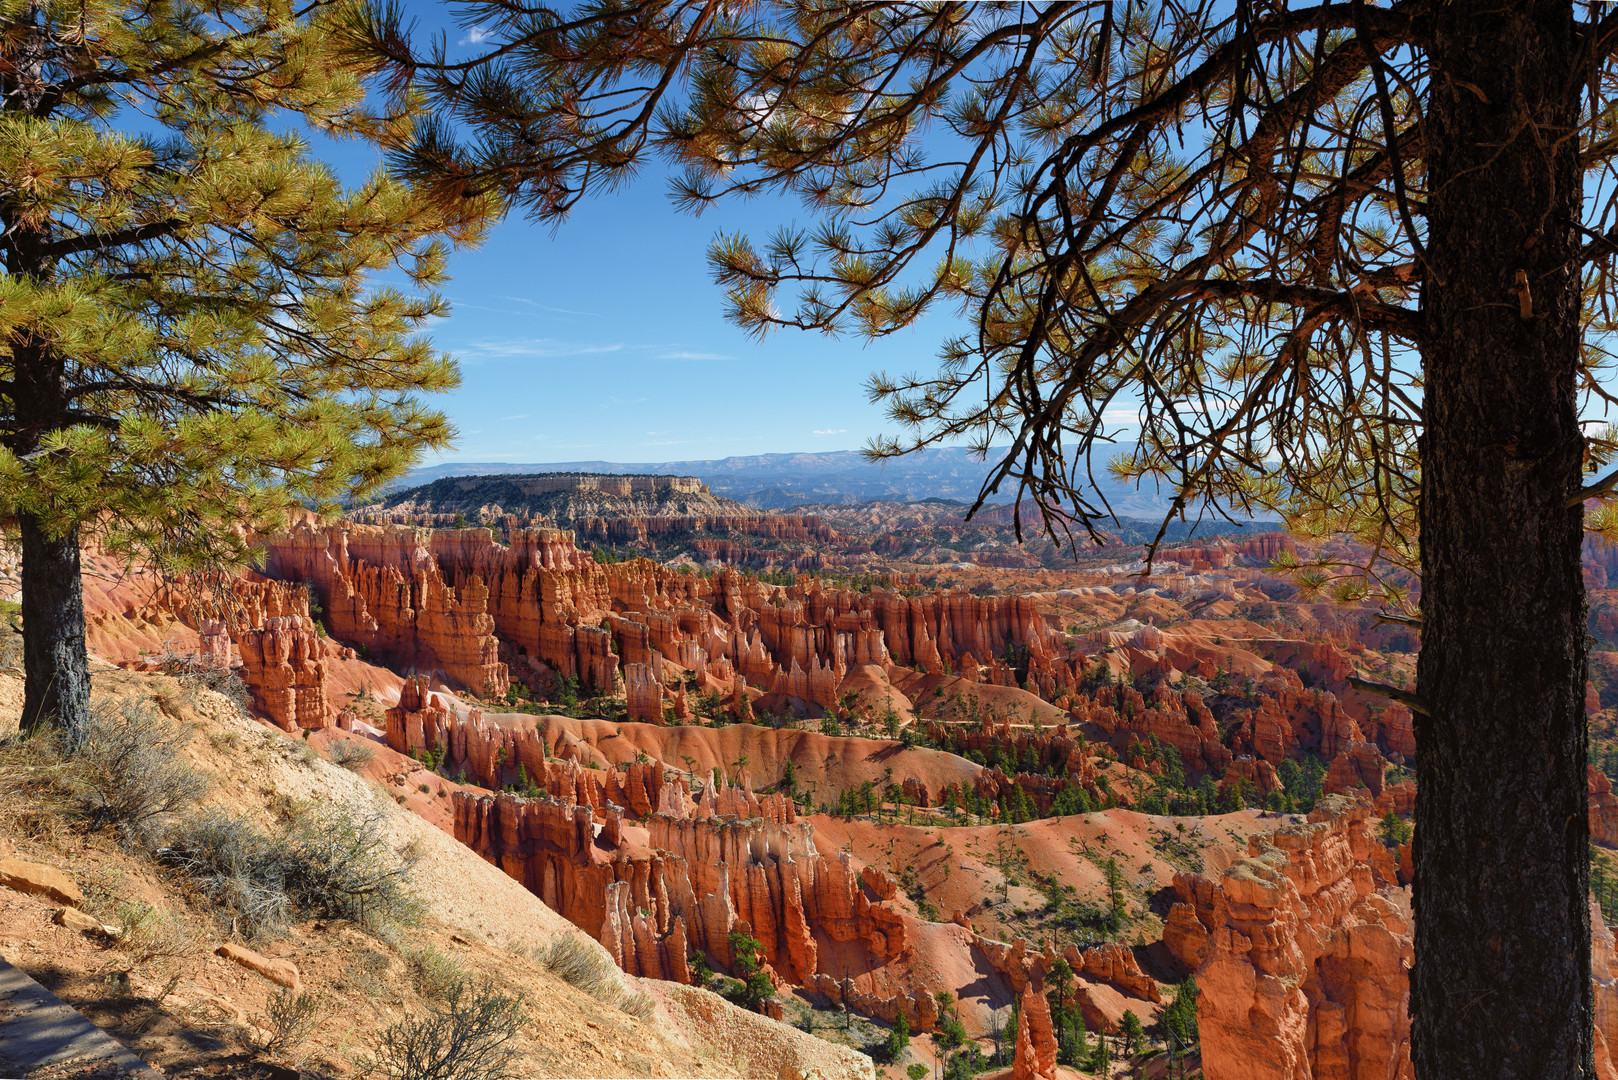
{"points": [[565, 499], [644, 511], [607, 483]]}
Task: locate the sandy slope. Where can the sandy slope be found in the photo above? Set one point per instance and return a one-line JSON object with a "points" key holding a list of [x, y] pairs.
{"points": [[475, 914]]}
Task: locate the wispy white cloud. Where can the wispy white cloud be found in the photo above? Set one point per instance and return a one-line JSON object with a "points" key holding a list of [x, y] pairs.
{"points": [[831, 431], [513, 416], [477, 36], [685, 354], [533, 349], [536, 305]]}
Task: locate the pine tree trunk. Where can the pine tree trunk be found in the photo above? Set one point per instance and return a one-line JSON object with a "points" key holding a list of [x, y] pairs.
{"points": [[1501, 986], [56, 669]]}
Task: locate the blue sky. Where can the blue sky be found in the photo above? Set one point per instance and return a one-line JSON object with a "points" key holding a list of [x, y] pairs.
{"points": [[606, 339]]}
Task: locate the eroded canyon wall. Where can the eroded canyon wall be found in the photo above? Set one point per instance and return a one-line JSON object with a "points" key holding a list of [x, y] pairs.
{"points": [[437, 599], [1302, 953]]}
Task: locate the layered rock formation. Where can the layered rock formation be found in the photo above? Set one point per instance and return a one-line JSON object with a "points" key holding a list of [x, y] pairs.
{"points": [[382, 592], [651, 872], [437, 600], [641, 512], [1301, 952], [1603, 808], [282, 651], [652, 891], [281, 666]]}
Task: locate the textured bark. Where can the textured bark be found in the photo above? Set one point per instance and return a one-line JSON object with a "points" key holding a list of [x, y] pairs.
{"points": [[1501, 984], [56, 668]]}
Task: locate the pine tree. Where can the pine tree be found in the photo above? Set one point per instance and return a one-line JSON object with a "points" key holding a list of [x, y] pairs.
{"points": [[1392, 831], [1101, 1060], [193, 341], [1129, 1027], [753, 986], [898, 1038], [1117, 909], [1180, 1017]]}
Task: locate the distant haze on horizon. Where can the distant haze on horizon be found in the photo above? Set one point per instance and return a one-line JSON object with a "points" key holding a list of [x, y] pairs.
{"points": [[779, 481]]}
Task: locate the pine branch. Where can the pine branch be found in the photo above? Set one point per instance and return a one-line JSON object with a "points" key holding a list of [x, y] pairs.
{"points": [[101, 241], [1408, 698], [1598, 490]]}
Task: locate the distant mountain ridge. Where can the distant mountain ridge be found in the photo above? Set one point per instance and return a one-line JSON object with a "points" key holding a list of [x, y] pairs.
{"points": [[779, 481]]}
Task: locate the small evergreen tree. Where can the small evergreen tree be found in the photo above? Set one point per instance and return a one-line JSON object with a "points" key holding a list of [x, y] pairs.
{"points": [[1180, 1017], [755, 986], [1117, 909], [1101, 1060], [1129, 1028], [898, 1038], [1005, 1040], [1072, 1039], [890, 724], [1392, 830]]}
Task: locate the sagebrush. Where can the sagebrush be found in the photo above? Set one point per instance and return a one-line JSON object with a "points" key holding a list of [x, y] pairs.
{"points": [[334, 862], [127, 766], [434, 973], [580, 962], [467, 1035], [351, 754], [289, 1019]]}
